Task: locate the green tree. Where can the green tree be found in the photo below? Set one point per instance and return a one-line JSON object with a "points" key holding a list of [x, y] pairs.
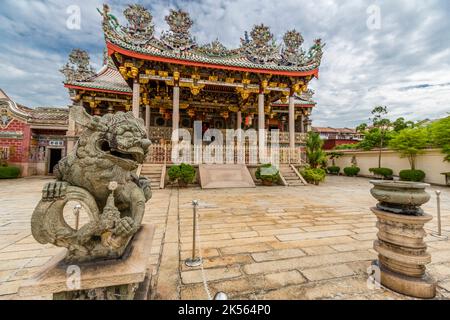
{"points": [[314, 152], [382, 124], [440, 135], [400, 124], [410, 142]]}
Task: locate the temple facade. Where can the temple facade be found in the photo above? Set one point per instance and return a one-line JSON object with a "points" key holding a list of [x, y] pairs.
{"points": [[171, 81]]}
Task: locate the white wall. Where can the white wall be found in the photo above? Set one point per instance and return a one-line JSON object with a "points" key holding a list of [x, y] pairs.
{"points": [[431, 162]]}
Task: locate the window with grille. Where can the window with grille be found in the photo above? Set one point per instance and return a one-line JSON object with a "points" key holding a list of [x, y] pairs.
{"points": [[4, 153]]}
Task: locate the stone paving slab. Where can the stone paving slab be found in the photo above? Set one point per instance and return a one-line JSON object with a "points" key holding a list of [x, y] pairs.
{"points": [[308, 242]]}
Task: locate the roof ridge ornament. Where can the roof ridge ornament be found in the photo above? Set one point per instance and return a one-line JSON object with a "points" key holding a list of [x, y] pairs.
{"points": [[261, 48], [292, 53], [315, 53], [78, 67], [215, 49], [140, 28], [178, 38]]}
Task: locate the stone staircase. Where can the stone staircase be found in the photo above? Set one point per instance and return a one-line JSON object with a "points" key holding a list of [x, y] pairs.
{"points": [[154, 172], [291, 176]]}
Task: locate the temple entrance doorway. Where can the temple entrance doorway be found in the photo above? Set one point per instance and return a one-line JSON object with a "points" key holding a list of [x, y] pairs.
{"points": [[53, 158]]}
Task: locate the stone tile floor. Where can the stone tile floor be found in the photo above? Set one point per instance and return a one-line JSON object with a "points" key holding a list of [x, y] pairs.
{"points": [[264, 243]]}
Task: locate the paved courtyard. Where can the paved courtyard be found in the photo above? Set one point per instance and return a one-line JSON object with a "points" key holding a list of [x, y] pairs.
{"points": [[264, 243]]}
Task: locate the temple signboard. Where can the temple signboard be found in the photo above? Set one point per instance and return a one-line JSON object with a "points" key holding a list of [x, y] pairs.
{"points": [[11, 134]]}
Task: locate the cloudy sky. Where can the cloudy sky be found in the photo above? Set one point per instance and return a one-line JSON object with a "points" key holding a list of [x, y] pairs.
{"points": [[401, 60]]}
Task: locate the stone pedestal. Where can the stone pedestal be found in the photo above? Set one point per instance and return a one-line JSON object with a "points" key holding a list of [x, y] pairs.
{"points": [[119, 279], [402, 254]]}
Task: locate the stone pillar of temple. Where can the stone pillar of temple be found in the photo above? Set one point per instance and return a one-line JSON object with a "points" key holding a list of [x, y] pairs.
{"points": [[147, 119], [302, 128], [176, 108], [239, 120], [136, 98], [72, 130], [261, 119], [307, 124], [291, 122]]}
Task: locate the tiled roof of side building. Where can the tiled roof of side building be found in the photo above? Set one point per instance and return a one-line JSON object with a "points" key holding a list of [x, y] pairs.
{"points": [[108, 78], [333, 130]]}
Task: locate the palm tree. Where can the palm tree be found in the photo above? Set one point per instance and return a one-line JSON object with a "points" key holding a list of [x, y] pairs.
{"points": [[314, 152]]}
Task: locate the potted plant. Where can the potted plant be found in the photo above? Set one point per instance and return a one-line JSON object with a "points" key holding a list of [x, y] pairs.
{"points": [[382, 173], [334, 170], [182, 174], [268, 174], [314, 175], [412, 175], [352, 171]]}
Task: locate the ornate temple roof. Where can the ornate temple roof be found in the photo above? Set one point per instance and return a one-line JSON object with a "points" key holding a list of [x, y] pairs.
{"points": [[258, 51], [55, 117], [79, 74]]}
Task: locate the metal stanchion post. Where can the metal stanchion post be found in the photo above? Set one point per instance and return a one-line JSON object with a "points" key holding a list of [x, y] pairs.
{"points": [[438, 199], [76, 212], [194, 261]]}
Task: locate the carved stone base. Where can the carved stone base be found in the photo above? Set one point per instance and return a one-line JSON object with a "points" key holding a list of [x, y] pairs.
{"points": [[402, 254], [126, 278], [423, 287]]}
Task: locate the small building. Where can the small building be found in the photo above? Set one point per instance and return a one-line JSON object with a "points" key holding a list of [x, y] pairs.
{"points": [[33, 139], [334, 137]]}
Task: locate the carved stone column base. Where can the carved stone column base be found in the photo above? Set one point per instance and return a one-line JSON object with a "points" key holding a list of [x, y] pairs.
{"points": [[423, 287], [402, 254]]}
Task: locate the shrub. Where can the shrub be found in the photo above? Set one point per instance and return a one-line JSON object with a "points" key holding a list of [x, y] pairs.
{"points": [[385, 172], [412, 175], [314, 176], [9, 172], [352, 171], [183, 173], [268, 174], [334, 170]]}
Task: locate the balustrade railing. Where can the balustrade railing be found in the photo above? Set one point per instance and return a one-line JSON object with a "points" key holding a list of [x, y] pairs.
{"points": [[243, 154], [165, 133]]}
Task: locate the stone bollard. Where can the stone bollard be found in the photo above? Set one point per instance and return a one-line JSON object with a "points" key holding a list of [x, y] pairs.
{"points": [[402, 252]]}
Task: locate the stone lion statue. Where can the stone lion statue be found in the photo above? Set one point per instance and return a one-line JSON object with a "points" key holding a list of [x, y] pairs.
{"points": [[99, 174]]}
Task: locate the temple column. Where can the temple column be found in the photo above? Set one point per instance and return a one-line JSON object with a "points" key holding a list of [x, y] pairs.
{"points": [[176, 108], [147, 119], [291, 122], [136, 98], [239, 120], [261, 119], [307, 124], [71, 130], [302, 129]]}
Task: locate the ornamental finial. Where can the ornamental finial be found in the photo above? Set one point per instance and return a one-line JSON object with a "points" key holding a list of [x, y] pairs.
{"points": [[78, 67]]}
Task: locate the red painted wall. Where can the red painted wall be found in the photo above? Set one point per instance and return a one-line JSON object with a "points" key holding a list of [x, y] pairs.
{"points": [[18, 147]]}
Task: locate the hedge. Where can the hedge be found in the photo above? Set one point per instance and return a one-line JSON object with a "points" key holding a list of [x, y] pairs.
{"points": [[314, 176], [385, 172], [351, 171], [412, 175], [334, 170], [9, 172]]}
